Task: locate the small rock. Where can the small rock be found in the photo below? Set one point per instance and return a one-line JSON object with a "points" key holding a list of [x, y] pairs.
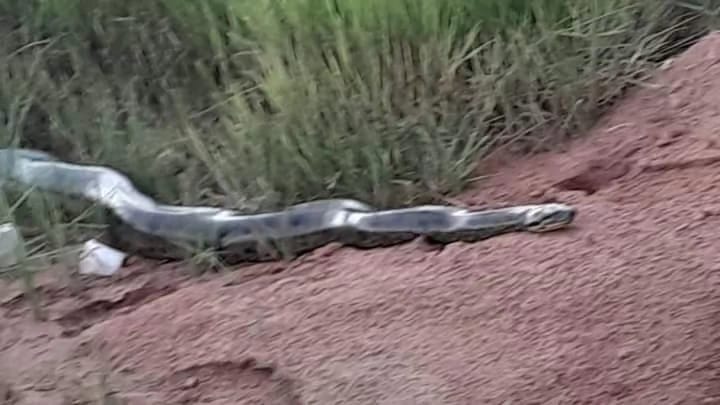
{"points": [[190, 383], [625, 352]]}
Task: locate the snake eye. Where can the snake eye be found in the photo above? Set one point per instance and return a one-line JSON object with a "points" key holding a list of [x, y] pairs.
{"points": [[538, 226]]}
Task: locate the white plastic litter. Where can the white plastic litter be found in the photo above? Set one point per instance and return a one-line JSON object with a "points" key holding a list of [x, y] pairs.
{"points": [[10, 241], [99, 259]]}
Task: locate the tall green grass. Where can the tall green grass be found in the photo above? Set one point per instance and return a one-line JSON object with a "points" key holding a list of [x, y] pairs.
{"points": [[259, 104]]}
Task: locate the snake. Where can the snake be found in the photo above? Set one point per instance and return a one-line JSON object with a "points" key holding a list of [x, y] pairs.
{"points": [[141, 226]]}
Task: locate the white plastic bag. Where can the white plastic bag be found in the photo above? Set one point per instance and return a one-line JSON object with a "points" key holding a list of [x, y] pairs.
{"points": [[99, 259]]}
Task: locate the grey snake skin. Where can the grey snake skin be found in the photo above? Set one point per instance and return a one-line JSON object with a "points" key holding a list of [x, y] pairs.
{"points": [[141, 226]]}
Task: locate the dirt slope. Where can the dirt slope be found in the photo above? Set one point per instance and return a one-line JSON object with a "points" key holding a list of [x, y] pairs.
{"points": [[622, 309]]}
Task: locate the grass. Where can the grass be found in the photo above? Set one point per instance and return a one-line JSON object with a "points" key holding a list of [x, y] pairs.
{"points": [[257, 105]]}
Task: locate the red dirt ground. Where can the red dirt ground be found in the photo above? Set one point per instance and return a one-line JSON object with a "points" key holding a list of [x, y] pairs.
{"points": [[622, 309]]}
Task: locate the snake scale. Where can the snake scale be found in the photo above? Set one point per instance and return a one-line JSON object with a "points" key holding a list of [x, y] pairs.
{"points": [[141, 226]]}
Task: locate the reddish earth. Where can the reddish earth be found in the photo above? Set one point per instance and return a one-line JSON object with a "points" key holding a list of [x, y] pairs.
{"points": [[624, 308]]}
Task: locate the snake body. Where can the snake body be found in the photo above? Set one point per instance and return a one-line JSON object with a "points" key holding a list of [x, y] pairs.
{"points": [[142, 226]]}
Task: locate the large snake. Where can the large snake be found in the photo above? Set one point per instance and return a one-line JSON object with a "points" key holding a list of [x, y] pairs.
{"points": [[144, 227]]}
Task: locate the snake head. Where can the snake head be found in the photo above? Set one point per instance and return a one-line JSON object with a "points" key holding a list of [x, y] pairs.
{"points": [[548, 217]]}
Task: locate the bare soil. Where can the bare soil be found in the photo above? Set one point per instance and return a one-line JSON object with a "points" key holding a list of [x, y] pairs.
{"points": [[623, 308]]}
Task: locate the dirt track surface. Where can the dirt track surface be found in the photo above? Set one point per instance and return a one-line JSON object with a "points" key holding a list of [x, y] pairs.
{"points": [[622, 309]]}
